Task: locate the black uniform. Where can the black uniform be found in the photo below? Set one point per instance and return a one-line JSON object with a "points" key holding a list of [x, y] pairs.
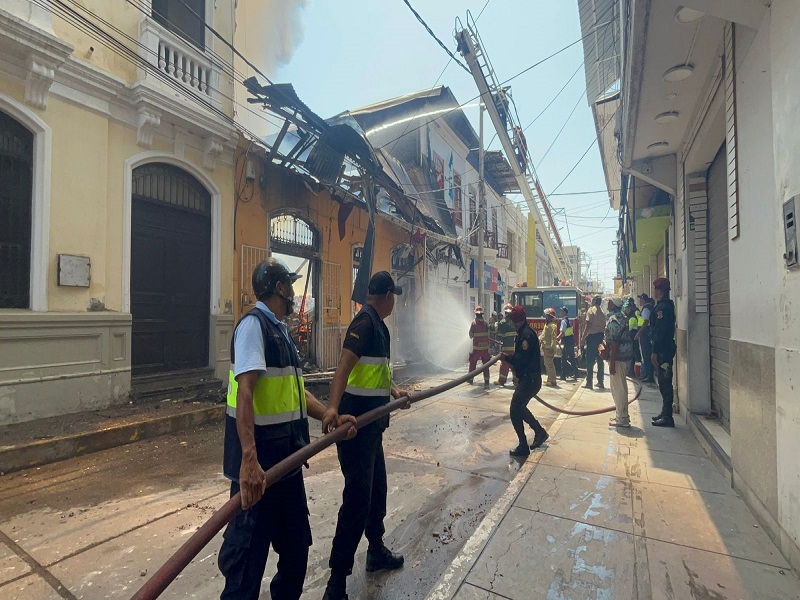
{"points": [[361, 459], [527, 367], [662, 337]]}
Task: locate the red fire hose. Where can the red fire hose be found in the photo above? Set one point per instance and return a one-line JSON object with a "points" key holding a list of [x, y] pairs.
{"points": [[165, 575]]}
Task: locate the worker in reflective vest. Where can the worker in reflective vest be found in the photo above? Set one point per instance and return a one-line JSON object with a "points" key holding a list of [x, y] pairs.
{"points": [[266, 421], [363, 381], [479, 333], [507, 334]]}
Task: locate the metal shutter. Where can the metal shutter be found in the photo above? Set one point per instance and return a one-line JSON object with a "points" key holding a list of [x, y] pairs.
{"points": [[719, 288]]}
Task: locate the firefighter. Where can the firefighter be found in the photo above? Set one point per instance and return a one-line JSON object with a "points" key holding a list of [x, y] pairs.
{"points": [[549, 341], [507, 334], [479, 333], [527, 366], [267, 420], [363, 381]]}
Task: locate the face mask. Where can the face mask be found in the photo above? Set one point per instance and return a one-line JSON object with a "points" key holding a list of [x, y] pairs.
{"points": [[289, 302]]}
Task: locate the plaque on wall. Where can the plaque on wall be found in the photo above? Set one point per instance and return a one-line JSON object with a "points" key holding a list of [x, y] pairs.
{"points": [[74, 271]]}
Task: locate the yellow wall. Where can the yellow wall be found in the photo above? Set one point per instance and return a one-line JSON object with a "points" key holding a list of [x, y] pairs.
{"points": [[286, 192], [86, 200]]}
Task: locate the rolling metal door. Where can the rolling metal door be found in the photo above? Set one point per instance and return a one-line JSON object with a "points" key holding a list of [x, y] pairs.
{"points": [[719, 289]]}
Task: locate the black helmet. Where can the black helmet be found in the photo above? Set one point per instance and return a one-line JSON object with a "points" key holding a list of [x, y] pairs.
{"points": [[268, 274]]}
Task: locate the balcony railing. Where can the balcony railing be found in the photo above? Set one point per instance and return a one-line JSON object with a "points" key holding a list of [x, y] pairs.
{"points": [[503, 251], [179, 59]]}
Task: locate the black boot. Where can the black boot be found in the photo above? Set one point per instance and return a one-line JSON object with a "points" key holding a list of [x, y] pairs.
{"points": [[380, 558], [658, 417], [336, 588], [667, 421], [539, 438], [520, 451]]}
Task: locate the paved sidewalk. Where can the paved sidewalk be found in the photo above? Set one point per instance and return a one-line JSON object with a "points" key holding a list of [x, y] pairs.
{"points": [[611, 514]]}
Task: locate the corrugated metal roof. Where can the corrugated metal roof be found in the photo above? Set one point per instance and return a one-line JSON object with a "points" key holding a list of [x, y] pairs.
{"points": [[601, 46]]}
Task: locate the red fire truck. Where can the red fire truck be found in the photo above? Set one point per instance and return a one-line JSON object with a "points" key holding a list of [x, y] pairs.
{"points": [[535, 299]]}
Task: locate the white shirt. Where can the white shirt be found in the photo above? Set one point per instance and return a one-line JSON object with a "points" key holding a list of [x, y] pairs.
{"points": [[248, 343], [645, 312]]}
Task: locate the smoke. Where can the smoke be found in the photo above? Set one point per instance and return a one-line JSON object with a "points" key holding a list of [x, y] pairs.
{"points": [[283, 31], [443, 326]]}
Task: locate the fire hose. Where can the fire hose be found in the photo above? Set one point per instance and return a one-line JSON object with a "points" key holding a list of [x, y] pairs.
{"points": [[167, 573]]}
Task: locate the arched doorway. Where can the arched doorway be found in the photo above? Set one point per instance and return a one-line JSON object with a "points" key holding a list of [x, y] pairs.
{"points": [[16, 189], [296, 241], [170, 269]]}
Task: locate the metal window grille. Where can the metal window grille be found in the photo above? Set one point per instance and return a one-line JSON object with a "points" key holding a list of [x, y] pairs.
{"points": [[290, 230], [171, 185], [331, 313]]}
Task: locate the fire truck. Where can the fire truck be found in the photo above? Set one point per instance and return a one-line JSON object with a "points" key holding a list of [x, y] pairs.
{"points": [[535, 299]]}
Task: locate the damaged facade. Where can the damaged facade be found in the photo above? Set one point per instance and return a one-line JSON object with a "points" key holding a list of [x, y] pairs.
{"points": [[424, 178], [701, 150]]}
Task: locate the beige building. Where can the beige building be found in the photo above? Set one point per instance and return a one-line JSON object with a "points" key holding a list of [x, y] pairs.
{"points": [[116, 199]]}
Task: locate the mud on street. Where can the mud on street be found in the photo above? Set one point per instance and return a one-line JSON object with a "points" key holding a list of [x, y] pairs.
{"points": [[99, 525]]}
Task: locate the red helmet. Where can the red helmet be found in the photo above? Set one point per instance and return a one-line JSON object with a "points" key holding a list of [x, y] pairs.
{"points": [[550, 312], [478, 310], [518, 314]]}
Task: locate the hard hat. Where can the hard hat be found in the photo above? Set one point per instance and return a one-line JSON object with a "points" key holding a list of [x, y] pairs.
{"points": [[268, 273], [551, 312], [518, 314], [507, 309], [478, 310]]}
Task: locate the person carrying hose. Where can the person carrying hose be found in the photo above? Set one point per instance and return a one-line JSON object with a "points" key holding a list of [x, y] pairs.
{"points": [[507, 333], [266, 421], [527, 367], [363, 381], [479, 334]]}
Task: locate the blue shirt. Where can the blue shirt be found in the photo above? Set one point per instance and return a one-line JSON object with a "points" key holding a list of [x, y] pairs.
{"points": [[248, 342]]}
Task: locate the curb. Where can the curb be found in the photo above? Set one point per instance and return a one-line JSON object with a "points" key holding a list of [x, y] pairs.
{"points": [[458, 571], [42, 452]]}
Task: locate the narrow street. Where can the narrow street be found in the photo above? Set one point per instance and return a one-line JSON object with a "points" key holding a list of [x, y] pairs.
{"points": [[99, 525]]}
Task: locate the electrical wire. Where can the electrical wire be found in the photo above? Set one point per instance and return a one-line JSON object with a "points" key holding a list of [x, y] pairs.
{"points": [[433, 35], [510, 79], [560, 131]]}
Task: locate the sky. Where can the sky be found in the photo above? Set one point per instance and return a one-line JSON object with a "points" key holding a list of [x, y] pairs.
{"points": [[351, 53]]}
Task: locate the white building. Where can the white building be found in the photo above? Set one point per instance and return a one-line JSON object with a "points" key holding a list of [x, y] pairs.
{"points": [[705, 125]]}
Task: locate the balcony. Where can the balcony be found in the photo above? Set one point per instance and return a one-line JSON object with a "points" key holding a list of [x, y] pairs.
{"points": [[180, 60], [503, 260]]}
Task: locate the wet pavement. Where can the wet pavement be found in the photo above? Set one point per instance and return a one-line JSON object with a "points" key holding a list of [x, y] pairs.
{"points": [[97, 526], [601, 513]]}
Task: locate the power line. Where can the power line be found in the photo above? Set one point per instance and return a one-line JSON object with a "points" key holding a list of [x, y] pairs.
{"points": [[560, 131], [433, 35], [585, 151], [510, 79], [447, 64]]}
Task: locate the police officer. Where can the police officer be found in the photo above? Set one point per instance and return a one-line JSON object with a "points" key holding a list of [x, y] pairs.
{"points": [[507, 333], [479, 334], [662, 338], [363, 381], [527, 367], [267, 420]]}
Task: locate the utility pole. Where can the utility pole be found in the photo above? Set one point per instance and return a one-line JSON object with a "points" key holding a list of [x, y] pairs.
{"points": [[481, 207]]}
